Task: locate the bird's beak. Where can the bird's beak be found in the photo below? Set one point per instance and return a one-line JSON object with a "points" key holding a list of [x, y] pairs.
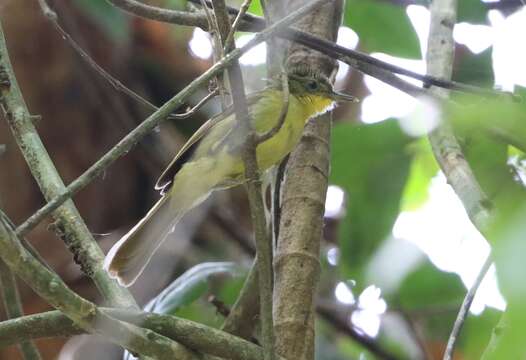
{"points": [[338, 96]]}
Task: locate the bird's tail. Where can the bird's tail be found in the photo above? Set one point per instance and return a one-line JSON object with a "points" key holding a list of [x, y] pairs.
{"points": [[129, 256]]}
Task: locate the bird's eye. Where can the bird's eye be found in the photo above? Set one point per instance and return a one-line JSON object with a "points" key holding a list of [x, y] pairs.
{"points": [[312, 85]]}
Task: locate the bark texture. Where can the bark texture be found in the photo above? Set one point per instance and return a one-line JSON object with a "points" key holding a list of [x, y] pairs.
{"points": [[296, 263]]}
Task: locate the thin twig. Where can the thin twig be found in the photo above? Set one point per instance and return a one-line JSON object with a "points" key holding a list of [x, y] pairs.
{"points": [[160, 14], [464, 309], [255, 23], [12, 303], [242, 318], [257, 210], [125, 145], [217, 52], [444, 143], [445, 146], [51, 15], [355, 59], [235, 25], [13, 308]]}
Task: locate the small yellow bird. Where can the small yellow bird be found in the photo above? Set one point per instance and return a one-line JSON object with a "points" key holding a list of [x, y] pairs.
{"points": [[212, 160]]}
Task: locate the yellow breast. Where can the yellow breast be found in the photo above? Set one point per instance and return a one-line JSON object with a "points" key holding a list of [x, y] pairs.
{"points": [[266, 114]]}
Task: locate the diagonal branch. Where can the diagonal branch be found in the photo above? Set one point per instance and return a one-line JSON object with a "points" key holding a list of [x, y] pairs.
{"points": [[355, 59], [52, 16], [83, 313], [69, 224]]}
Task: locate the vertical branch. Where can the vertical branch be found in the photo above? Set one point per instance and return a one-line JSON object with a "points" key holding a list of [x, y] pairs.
{"points": [[12, 302], [447, 150], [296, 264], [257, 209], [242, 318], [69, 225], [13, 308]]}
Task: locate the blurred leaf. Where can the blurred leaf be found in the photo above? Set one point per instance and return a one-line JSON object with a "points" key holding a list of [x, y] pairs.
{"points": [[506, 234], [382, 27], [427, 287], [201, 312], [229, 291], [435, 293], [113, 21], [423, 168], [371, 164], [476, 333], [472, 11], [502, 119], [189, 286], [485, 127], [474, 69]]}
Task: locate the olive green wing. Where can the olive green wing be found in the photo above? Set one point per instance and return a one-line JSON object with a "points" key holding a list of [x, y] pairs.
{"points": [[185, 153]]}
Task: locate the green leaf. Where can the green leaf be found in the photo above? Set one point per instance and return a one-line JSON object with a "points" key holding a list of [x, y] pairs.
{"points": [[427, 290], [476, 69], [501, 119], [472, 11], [255, 8], [371, 164], [423, 169], [485, 128], [382, 27], [476, 333], [112, 20], [190, 286], [427, 286]]}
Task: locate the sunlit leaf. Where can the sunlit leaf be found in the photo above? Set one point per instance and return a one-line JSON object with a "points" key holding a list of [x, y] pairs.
{"points": [[423, 169], [255, 8], [190, 286], [371, 164], [382, 27]]}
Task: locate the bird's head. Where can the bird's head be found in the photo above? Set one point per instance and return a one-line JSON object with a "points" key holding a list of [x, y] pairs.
{"points": [[315, 92], [313, 85]]}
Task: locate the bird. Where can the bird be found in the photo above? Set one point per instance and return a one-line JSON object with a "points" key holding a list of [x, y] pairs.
{"points": [[212, 160]]}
